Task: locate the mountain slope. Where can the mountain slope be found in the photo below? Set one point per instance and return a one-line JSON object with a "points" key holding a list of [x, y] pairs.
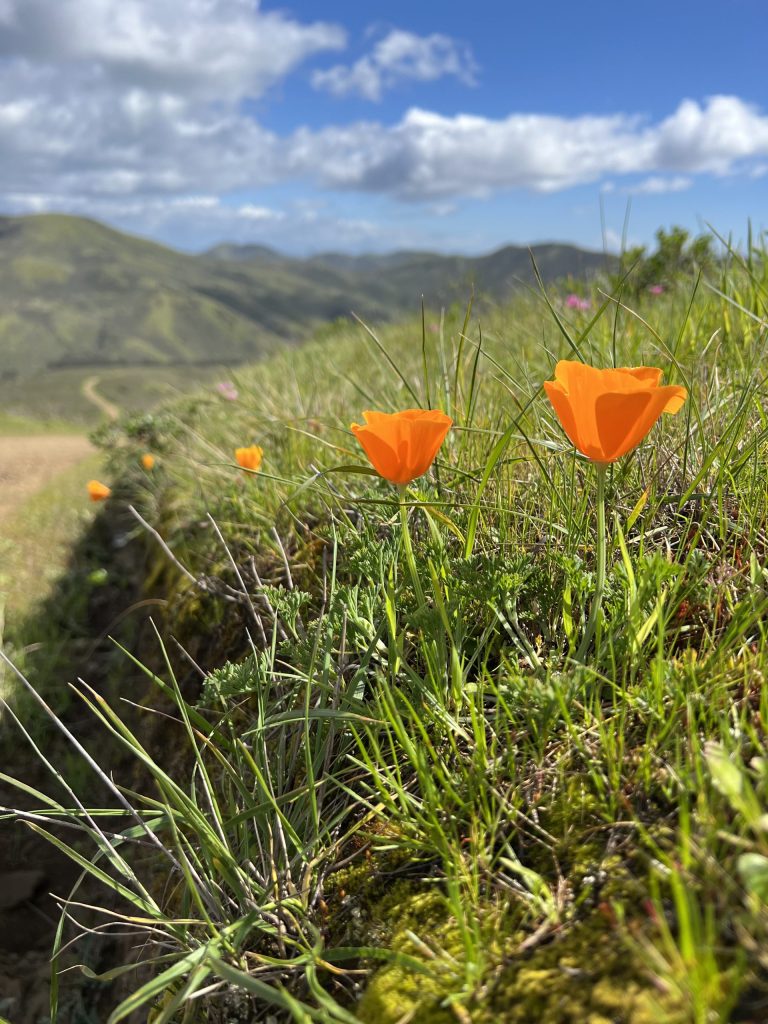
{"points": [[75, 292]]}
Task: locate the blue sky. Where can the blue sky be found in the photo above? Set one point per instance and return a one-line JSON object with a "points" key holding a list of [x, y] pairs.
{"points": [[365, 127]]}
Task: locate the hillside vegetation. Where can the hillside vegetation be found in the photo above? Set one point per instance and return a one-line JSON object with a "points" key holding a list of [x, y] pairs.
{"points": [[373, 772], [74, 292]]}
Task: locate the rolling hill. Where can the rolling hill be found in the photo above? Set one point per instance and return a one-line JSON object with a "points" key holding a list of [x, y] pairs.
{"points": [[75, 292]]}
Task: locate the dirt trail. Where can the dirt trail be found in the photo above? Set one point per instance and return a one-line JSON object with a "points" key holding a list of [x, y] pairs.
{"points": [[88, 389], [27, 463]]}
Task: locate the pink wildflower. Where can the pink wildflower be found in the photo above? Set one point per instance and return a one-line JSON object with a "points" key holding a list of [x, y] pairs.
{"points": [[576, 302], [227, 390]]}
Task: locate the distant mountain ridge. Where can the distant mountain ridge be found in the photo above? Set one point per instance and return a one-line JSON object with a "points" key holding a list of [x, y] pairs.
{"points": [[555, 260], [74, 291]]}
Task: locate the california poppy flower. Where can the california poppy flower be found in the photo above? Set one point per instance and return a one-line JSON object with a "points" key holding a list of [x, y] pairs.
{"points": [[607, 413], [402, 445], [249, 458], [98, 491], [148, 461]]}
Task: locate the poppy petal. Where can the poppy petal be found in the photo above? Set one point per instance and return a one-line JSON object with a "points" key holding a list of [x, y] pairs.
{"points": [[562, 406], [625, 421], [382, 456], [621, 423], [402, 445], [675, 397], [606, 413], [646, 374], [582, 386], [426, 435]]}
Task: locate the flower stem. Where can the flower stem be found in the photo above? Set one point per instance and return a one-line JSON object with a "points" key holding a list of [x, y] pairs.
{"points": [[408, 546], [602, 543]]}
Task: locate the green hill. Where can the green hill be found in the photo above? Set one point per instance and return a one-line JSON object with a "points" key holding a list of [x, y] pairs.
{"points": [[74, 292]]}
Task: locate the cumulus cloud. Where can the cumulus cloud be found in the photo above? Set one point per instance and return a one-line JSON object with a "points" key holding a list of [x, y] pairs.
{"points": [[136, 97], [136, 109], [398, 57], [215, 49], [252, 212], [656, 185], [429, 156]]}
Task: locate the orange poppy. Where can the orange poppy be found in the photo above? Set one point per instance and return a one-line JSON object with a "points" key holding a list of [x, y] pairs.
{"points": [[607, 413], [249, 458], [148, 461], [402, 446], [98, 491]]}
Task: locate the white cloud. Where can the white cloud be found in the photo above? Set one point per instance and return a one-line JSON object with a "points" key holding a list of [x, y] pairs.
{"points": [[398, 57], [657, 185], [216, 49], [711, 138], [252, 212], [430, 156], [135, 109], [195, 202]]}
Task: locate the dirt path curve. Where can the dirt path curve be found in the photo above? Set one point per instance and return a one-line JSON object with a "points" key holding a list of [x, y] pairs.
{"points": [[88, 389], [27, 463]]}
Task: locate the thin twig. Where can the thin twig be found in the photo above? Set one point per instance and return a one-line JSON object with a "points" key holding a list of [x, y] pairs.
{"points": [[288, 577], [182, 568], [235, 568]]}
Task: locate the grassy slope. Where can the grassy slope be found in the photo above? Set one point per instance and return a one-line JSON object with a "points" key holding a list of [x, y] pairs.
{"points": [[13, 425], [74, 291], [538, 840]]}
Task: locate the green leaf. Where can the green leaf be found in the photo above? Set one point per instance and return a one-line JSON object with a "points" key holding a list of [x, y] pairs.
{"points": [[727, 777], [753, 868]]}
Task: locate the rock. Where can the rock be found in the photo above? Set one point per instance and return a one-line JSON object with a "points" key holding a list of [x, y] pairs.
{"points": [[16, 887]]}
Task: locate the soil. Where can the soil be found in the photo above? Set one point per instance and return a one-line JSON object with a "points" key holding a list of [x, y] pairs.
{"points": [[27, 463], [109, 409]]}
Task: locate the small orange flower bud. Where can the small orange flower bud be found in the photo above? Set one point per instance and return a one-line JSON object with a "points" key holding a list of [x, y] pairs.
{"points": [[249, 458], [148, 461], [98, 491]]}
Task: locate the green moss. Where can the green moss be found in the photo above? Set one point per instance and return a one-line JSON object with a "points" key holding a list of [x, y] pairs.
{"points": [[413, 918], [589, 976], [586, 976], [584, 973]]}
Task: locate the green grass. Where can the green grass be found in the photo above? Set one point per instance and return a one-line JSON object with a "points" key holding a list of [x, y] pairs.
{"points": [[23, 426], [405, 796], [35, 549]]}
